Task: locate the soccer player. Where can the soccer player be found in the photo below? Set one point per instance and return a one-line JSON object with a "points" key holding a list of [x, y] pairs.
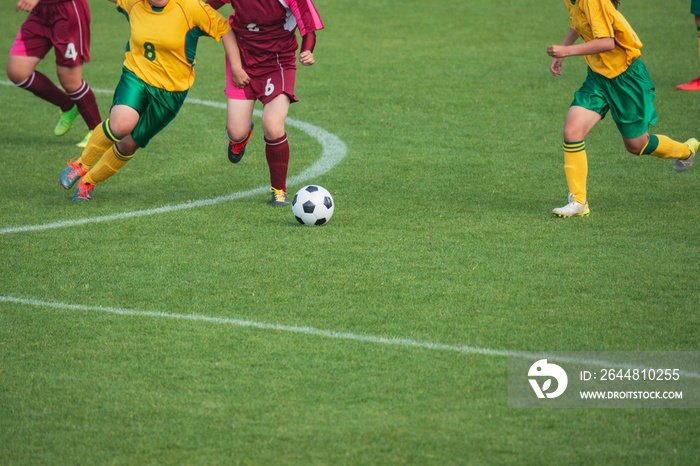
{"points": [[65, 26], [265, 32], [156, 75], [693, 85], [618, 82]]}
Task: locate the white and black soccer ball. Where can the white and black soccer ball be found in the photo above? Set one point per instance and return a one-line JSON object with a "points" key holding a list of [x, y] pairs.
{"points": [[313, 205]]}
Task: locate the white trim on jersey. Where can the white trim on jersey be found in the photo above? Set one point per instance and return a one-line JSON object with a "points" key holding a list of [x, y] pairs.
{"points": [[80, 28], [291, 22]]}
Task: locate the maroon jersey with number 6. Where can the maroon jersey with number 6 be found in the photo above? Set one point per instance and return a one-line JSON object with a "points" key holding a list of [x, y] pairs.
{"points": [[269, 25], [265, 32]]}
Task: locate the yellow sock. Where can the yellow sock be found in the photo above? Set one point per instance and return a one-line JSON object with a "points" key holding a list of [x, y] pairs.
{"points": [[101, 140], [576, 169], [664, 147], [110, 163]]}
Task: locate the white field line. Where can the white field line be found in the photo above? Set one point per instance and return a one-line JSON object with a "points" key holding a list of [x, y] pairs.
{"points": [[334, 151], [406, 342]]}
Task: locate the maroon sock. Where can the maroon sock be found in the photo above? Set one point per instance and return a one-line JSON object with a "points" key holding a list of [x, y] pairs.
{"points": [[277, 154], [42, 87], [84, 98]]}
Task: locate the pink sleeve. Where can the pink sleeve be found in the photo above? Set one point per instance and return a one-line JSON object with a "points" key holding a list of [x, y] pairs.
{"points": [[306, 15]]}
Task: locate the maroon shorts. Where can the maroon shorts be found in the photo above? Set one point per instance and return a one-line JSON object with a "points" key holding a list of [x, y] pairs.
{"points": [[64, 26], [269, 77]]}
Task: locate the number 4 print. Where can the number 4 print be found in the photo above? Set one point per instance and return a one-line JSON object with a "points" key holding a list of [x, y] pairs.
{"points": [[71, 52]]}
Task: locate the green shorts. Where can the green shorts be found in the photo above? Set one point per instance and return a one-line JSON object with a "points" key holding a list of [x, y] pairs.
{"points": [[157, 107], [695, 7], [629, 97]]}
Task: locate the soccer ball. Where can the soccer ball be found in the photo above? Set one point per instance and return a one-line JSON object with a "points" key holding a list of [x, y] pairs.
{"points": [[313, 205]]}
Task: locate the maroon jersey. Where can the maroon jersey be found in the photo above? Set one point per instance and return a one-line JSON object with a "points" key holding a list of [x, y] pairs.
{"points": [[269, 25]]}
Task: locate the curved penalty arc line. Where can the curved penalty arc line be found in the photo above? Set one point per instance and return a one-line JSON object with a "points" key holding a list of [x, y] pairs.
{"points": [[334, 150]]}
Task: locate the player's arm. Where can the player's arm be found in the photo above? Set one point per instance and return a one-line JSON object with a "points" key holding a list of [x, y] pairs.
{"points": [[599, 45], [238, 75], [308, 21], [555, 67], [568, 49], [26, 5], [308, 42], [113, 1]]}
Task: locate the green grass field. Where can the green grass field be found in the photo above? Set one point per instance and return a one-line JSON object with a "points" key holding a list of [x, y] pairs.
{"points": [[226, 333]]}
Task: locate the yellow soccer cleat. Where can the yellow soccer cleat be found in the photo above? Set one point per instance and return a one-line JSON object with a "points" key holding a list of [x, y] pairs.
{"points": [[85, 140]]}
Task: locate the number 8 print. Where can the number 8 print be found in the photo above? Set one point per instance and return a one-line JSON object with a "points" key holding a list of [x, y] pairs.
{"points": [[149, 51]]}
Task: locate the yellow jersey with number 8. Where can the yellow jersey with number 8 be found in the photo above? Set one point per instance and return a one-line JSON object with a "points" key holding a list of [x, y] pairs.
{"points": [[594, 19], [163, 42]]}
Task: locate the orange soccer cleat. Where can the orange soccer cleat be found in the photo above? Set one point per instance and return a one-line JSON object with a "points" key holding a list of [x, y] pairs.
{"points": [[84, 192]]}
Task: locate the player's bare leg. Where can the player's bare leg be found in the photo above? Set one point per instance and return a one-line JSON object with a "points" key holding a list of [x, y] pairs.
{"points": [[239, 126]]}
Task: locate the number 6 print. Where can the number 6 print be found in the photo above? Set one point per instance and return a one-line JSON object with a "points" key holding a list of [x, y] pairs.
{"points": [[269, 87]]}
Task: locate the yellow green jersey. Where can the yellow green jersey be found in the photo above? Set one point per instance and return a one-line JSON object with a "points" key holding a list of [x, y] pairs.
{"points": [[595, 19], [163, 42]]}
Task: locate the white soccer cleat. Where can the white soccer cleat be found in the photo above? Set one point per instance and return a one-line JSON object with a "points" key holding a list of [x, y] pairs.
{"points": [[683, 164], [572, 209]]}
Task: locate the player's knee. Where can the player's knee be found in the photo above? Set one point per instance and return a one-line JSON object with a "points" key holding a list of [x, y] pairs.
{"points": [[71, 86], [127, 146], [237, 133], [273, 128], [272, 135], [17, 74], [71, 79], [634, 147], [122, 120], [571, 135]]}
